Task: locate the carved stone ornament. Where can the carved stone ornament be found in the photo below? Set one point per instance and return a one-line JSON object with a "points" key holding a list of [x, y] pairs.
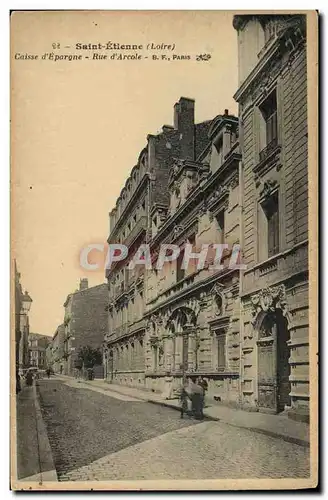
{"points": [[204, 300], [202, 209], [177, 230], [234, 182], [153, 340], [218, 193], [268, 300], [268, 188]]}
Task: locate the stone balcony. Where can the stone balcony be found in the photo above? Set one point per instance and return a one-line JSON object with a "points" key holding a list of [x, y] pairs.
{"points": [[136, 231], [280, 266]]}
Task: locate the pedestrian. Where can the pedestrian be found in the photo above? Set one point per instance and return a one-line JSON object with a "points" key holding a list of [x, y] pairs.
{"points": [[48, 372], [197, 397], [203, 383], [29, 378], [18, 382], [183, 399]]}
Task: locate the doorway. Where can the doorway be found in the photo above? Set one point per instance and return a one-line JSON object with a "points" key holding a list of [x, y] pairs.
{"points": [[273, 365], [283, 367]]}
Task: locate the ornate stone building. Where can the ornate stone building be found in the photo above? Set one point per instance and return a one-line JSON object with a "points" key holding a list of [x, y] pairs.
{"points": [[272, 97], [193, 313], [230, 181], [132, 222]]}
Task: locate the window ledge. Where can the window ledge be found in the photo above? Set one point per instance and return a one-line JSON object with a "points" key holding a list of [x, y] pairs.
{"points": [[272, 158]]}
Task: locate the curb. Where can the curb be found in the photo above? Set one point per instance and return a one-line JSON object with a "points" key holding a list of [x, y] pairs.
{"points": [[47, 466], [288, 439]]}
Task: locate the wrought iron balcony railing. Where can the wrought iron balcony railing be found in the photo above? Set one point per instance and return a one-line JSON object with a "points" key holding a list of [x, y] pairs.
{"points": [[268, 149]]}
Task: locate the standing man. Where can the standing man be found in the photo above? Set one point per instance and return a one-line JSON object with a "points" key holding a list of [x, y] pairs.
{"points": [[203, 383], [183, 398], [197, 397]]}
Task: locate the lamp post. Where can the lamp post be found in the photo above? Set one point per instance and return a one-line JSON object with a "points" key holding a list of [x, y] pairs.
{"points": [[26, 303]]}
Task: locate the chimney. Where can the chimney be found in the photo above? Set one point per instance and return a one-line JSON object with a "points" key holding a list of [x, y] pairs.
{"points": [[84, 284], [184, 123], [226, 112]]}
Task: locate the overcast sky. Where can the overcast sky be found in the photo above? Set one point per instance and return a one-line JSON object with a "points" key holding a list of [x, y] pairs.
{"points": [[78, 128]]}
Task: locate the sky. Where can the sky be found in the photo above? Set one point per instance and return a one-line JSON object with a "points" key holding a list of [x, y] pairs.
{"points": [[77, 128]]}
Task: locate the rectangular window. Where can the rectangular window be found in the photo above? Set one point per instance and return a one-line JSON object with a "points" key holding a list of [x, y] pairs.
{"points": [[269, 116], [155, 358], [271, 210], [221, 339], [220, 225], [219, 150], [180, 271]]}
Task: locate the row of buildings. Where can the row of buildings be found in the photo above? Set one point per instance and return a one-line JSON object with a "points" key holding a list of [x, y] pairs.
{"points": [[30, 348], [234, 180], [84, 324], [23, 304]]}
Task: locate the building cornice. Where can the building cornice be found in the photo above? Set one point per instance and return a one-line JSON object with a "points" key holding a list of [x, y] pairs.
{"points": [[189, 290], [132, 201], [288, 40]]}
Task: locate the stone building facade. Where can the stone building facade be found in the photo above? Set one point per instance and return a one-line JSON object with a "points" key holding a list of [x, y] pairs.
{"points": [[56, 353], [22, 325], [37, 350], [131, 224], [193, 313], [237, 181], [272, 97], [85, 322]]}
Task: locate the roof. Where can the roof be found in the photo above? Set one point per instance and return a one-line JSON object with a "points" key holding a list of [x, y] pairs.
{"points": [[38, 336]]}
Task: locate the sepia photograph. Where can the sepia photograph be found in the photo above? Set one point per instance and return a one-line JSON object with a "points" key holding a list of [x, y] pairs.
{"points": [[164, 191]]}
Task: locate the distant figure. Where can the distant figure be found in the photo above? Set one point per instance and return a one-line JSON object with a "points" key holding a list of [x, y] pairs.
{"points": [[48, 372], [183, 399], [29, 378], [203, 383], [197, 398], [18, 382]]}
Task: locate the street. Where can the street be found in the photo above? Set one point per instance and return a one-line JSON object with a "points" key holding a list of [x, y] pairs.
{"points": [[98, 435]]}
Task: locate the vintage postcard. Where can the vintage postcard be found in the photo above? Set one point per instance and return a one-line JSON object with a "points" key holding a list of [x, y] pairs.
{"points": [[164, 250]]}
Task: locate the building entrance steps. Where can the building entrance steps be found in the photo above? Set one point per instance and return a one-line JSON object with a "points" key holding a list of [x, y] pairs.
{"points": [[279, 426]]}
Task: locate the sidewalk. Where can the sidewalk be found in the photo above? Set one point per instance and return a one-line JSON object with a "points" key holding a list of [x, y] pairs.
{"points": [[34, 457], [279, 426]]}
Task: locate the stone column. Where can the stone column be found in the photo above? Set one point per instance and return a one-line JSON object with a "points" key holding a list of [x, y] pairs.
{"points": [[192, 351], [178, 351], [169, 354]]}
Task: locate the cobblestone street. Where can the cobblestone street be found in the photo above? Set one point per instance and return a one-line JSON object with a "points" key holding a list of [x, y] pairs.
{"points": [[98, 436]]}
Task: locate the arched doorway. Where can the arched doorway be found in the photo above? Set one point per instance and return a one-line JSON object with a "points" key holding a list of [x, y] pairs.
{"points": [[273, 365], [181, 325]]}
